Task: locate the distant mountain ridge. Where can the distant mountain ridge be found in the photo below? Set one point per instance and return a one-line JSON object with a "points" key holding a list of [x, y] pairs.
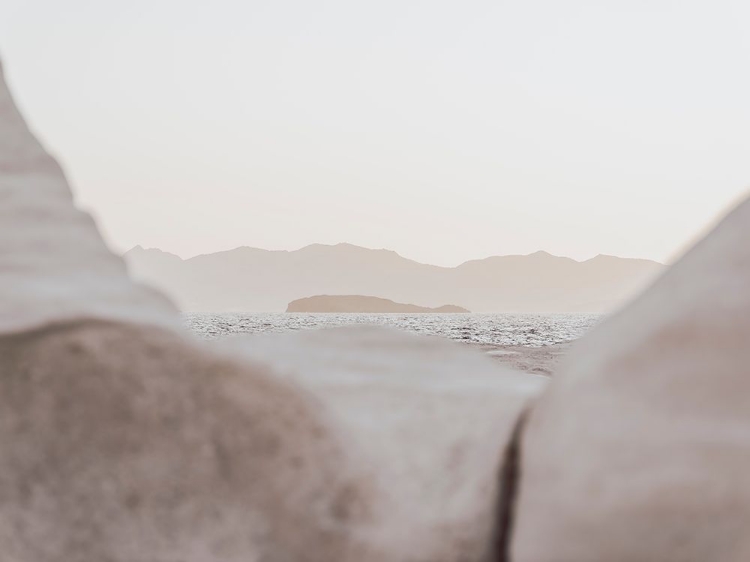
{"points": [[365, 304], [250, 279]]}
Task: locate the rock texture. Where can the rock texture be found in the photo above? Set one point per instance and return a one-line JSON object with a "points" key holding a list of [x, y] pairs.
{"points": [[639, 449], [359, 303], [124, 442]]}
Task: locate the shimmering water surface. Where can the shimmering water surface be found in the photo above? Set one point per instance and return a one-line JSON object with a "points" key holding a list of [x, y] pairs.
{"points": [[528, 330]]}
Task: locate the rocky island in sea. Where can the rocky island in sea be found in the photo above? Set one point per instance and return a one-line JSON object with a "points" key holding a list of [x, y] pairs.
{"points": [[364, 304]]}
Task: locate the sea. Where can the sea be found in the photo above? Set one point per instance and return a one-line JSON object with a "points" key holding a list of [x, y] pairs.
{"points": [[489, 330]]}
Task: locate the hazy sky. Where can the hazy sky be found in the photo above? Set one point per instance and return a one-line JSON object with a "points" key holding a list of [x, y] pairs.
{"points": [[444, 130]]}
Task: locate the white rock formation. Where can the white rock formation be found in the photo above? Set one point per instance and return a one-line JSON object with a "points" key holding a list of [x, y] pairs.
{"points": [[53, 264], [124, 440], [640, 447]]}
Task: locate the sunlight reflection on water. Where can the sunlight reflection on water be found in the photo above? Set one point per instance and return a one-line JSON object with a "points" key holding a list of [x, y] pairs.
{"points": [[529, 330]]}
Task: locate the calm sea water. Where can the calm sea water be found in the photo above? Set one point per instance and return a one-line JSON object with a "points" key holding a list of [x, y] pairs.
{"points": [[529, 330]]}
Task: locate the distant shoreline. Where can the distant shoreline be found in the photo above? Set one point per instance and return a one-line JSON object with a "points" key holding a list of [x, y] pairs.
{"points": [[261, 280]]}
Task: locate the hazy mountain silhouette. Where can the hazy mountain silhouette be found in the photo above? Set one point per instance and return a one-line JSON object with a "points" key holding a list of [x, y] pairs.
{"points": [[360, 303], [251, 279]]}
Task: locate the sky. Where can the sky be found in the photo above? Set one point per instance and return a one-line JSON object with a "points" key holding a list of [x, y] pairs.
{"points": [[444, 130]]}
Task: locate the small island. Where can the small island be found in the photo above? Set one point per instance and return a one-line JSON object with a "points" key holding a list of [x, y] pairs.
{"points": [[363, 304]]}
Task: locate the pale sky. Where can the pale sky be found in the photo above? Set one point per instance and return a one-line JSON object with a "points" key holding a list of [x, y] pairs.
{"points": [[444, 130]]}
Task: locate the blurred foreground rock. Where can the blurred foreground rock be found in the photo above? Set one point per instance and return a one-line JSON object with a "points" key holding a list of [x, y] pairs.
{"points": [[639, 448]]}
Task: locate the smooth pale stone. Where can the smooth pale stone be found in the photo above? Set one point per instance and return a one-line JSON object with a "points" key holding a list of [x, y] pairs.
{"points": [[429, 419], [132, 443], [640, 448], [54, 266]]}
